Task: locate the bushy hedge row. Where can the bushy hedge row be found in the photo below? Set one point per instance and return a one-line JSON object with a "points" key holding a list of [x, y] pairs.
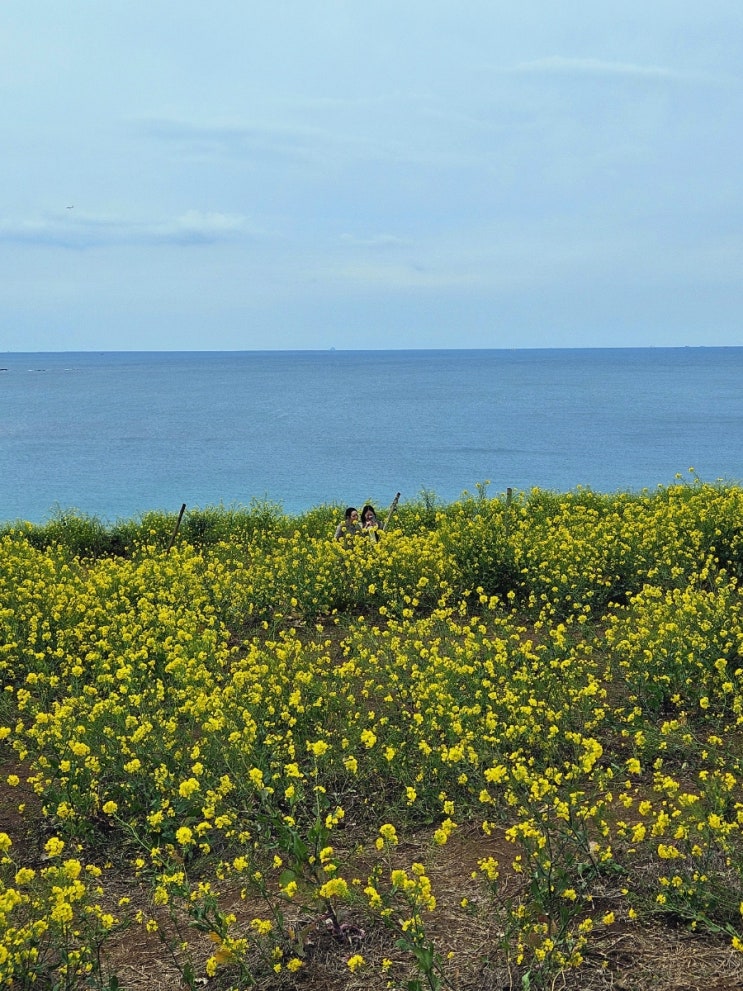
{"points": [[539, 546]]}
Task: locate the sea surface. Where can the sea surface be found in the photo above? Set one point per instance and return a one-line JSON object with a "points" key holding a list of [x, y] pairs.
{"points": [[115, 435]]}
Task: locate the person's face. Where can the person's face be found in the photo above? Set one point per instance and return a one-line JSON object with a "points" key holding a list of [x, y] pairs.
{"points": [[354, 517]]}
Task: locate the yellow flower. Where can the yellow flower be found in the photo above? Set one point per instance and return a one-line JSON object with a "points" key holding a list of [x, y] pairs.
{"points": [[184, 836], [256, 776], [73, 868], [668, 852], [368, 738], [62, 913], [489, 867], [335, 888], [54, 846], [389, 834], [333, 818], [375, 899], [188, 787], [442, 834], [355, 962]]}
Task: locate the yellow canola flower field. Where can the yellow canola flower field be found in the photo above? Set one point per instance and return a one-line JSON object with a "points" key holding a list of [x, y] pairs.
{"points": [[266, 719]]}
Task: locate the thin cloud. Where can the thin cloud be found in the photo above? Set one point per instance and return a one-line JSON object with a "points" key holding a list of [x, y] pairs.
{"points": [[382, 241], [80, 231], [350, 135], [298, 143]]}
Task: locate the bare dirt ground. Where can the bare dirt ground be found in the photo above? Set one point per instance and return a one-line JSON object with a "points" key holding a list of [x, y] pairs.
{"points": [[627, 956]]}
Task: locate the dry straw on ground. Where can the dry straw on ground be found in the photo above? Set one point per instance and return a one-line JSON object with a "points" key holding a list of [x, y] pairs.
{"points": [[628, 956]]}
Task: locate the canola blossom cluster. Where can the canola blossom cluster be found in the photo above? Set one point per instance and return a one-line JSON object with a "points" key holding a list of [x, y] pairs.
{"points": [[259, 716]]}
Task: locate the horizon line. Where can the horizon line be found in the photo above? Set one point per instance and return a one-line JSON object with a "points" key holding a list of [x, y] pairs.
{"points": [[342, 350]]}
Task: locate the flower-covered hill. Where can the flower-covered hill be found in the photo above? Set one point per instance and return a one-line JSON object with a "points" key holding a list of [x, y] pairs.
{"points": [[500, 746]]}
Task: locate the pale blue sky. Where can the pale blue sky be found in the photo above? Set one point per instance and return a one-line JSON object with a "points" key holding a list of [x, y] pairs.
{"points": [[285, 174]]}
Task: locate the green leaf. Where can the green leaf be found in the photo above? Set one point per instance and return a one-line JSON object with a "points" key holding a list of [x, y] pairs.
{"points": [[424, 956], [189, 977], [298, 849], [286, 876]]}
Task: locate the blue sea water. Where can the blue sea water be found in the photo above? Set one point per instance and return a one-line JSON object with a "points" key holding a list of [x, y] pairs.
{"points": [[118, 434]]}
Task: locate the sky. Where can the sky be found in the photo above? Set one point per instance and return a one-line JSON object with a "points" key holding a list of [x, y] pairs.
{"points": [[277, 174]]}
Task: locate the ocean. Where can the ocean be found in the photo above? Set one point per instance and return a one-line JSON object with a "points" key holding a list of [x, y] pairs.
{"points": [[115, 435]]}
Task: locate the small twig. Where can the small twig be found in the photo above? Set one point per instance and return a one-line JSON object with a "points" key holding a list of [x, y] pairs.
{"points": [[175, 529], [393, 507]]}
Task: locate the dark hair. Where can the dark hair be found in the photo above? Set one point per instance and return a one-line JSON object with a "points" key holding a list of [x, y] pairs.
{"points": [[365, 510], [351, 509]]}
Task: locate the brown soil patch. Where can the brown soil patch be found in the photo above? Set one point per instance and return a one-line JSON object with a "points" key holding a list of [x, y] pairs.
{"points": [[625, 957]]}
